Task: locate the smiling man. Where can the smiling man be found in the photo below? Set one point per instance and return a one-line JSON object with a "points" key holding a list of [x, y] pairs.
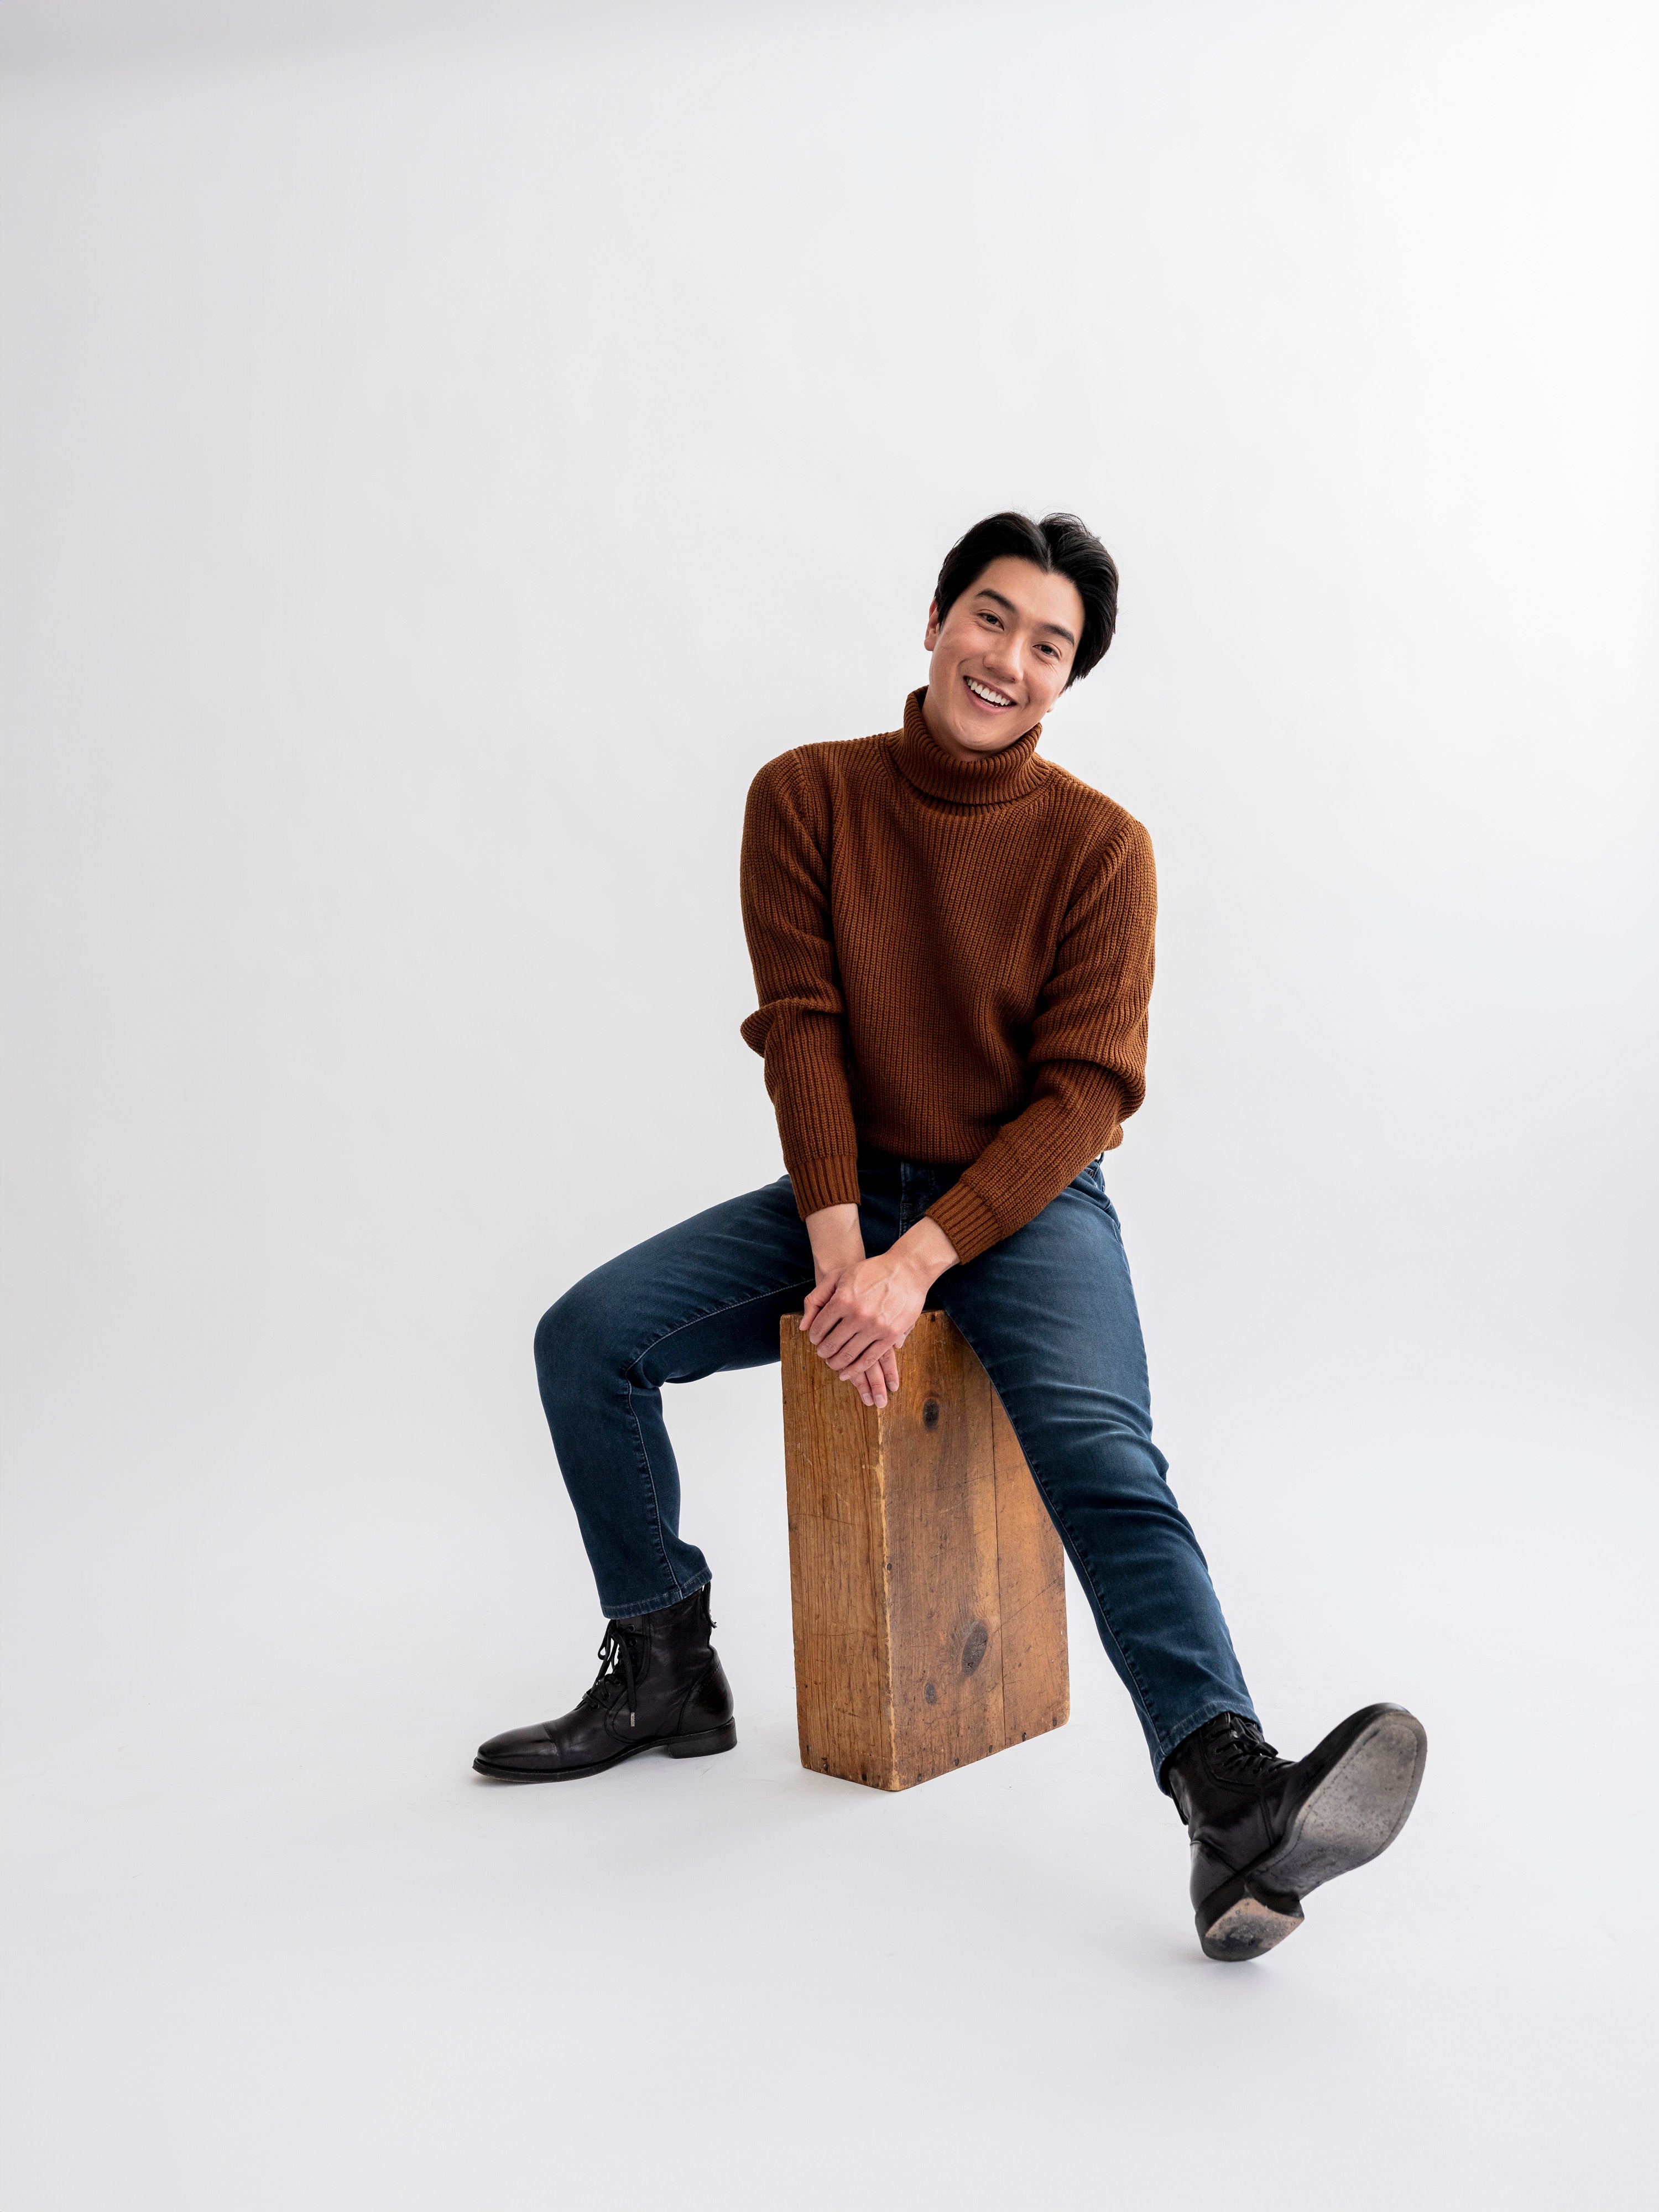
{"points": [[953, 947]]}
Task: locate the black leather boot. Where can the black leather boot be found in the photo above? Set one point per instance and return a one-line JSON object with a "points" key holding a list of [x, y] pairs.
{"points": [[1265, 1831], [661, 1687]]}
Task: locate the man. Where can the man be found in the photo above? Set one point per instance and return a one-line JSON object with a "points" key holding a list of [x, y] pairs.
{"points": [[953, 947]]}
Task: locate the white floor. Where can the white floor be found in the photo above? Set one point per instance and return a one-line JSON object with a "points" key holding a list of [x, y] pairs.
{"points": [[278, 1946]]}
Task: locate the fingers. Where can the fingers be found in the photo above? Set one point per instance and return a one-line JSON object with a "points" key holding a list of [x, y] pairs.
{"points": [[870, 1382], [815, 1321], [850, 1340], [861, 1348], [875, 1380], [853, 1329], [835, 1318]]}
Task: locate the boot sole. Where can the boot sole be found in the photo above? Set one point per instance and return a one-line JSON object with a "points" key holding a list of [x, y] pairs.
{"points": [[1356, 1810], [702, 1745], [1349, 1817]]}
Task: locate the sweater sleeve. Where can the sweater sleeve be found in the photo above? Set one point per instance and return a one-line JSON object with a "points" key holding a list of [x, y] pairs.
{"points": [[799, 1027], [1088, 1056]]}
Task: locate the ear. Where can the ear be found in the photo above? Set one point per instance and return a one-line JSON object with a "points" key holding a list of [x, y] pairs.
{"points": [[931, 639]]}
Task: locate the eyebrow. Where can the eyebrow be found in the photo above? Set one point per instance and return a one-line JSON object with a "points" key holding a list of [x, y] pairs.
{"points": [[1059, 629]]}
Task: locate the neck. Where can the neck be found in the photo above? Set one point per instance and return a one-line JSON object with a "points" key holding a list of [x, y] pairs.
{"points": [[953, 745], [965, 779]]}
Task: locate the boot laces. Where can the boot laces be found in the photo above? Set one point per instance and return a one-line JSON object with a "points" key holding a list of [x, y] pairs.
{"points": [[615, 1658], [1238, 1752]]}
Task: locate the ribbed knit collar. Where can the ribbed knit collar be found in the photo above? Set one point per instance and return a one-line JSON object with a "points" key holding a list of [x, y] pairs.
{"points": [[990, 780]]}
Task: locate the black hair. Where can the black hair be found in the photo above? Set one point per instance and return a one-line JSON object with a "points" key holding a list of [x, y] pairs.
{"points": [[1058, 543]]}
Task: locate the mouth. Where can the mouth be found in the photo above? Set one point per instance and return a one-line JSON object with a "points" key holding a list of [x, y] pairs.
{"points": [[988, 695]]}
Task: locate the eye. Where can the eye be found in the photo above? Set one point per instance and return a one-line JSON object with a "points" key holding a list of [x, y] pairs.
{"points": [[986, 616]]}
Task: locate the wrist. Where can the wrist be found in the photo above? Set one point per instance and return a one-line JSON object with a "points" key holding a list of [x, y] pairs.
{"points": [[926, 1252], [837, 1240]]}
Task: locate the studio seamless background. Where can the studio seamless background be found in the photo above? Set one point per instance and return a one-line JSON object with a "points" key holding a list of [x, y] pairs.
{"points": [[443, 458]]}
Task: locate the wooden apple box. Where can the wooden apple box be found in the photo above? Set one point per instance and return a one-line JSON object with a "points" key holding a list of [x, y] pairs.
{"points": [[927, 1579]]}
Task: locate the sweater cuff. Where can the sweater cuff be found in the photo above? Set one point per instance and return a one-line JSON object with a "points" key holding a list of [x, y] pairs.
{"points": [[967, 1221], [818, 1184]]}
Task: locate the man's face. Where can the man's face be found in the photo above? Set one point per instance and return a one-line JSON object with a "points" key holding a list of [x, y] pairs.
{"points": [[1002, 657]]}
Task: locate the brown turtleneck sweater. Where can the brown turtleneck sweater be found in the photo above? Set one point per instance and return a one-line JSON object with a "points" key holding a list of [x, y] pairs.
{"points": [[953, 959]]}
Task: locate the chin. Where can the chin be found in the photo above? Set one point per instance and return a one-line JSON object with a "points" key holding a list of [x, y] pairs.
{"points": [[984, 738]]}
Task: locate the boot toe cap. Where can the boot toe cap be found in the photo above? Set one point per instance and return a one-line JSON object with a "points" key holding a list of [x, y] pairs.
{"points": [[527, 1750]]}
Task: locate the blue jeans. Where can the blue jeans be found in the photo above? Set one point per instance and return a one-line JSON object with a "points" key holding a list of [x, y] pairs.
{"points": [[1050, 1312]]}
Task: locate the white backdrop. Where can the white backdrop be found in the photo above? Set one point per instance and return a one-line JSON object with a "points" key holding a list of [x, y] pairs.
{"points": [[446, 451]]}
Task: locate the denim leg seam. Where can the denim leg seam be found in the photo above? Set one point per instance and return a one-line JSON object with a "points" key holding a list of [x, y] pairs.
{"points": [[644, 1457], [1079, 1558], [1082, 1559]]}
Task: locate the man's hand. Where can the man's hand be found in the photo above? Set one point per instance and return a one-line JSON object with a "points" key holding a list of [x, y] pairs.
{"points": [[838, 1244], [859, 1311]]}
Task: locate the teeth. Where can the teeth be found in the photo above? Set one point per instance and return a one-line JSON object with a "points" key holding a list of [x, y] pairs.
{"points": [[984, 691]]}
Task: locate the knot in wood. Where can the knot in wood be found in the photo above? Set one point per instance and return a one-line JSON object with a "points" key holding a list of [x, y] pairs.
{"points": [[974, 1649], [930, 1414]]}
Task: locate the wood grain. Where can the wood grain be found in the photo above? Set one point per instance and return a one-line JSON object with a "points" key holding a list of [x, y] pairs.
{"points": [[832, 1449], [926, 1579]]}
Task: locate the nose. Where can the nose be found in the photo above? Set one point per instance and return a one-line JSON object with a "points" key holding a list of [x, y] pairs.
{"points": [[1002, 656]]}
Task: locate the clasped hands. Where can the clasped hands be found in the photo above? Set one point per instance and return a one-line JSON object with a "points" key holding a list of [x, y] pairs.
{"points": [[860, 1310]]}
